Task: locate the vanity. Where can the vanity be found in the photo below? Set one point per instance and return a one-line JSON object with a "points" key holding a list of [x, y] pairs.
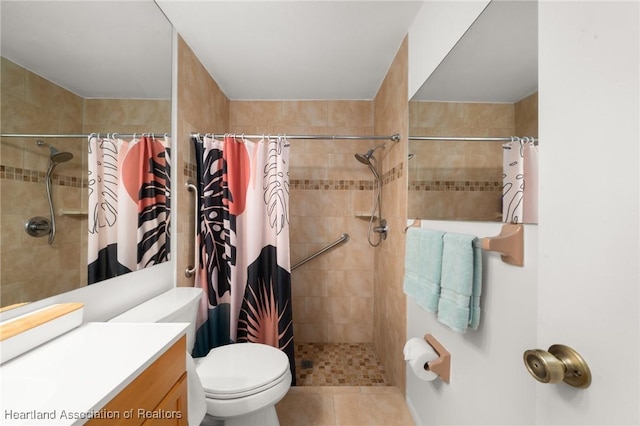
{"points": [[100, 374]]}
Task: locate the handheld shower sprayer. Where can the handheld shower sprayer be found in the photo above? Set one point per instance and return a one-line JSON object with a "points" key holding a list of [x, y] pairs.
{"points": [[382, 228], [39, 226]]}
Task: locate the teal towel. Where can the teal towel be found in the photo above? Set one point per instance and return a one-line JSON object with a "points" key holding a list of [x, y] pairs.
{"points": [[459, 304], [423, 265]]}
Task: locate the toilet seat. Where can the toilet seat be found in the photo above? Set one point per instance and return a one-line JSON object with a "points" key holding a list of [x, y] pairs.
{"points": [[242, 369]]}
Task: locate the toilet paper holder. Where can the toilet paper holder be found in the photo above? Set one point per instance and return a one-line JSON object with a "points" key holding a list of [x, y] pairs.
{"points": [[442, 365]]}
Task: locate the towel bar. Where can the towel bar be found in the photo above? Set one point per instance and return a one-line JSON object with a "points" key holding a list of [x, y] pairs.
{"points": [[509, 243]]}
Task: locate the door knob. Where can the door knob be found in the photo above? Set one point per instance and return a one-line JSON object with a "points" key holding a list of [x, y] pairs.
{"points": [[559, 363]]}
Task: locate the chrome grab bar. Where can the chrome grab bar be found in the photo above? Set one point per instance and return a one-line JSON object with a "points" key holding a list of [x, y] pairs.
{"points": [[190, 271], [343, 238]]}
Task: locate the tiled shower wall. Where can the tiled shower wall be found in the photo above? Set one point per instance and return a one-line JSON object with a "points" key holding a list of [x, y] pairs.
{"points": [[457, 179], [202, 107], [390, 302], [331, 193], [526, 116], [462, 180], [31, 269]]}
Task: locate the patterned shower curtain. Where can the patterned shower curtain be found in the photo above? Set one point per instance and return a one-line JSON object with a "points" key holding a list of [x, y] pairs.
{"points": [[129, 205], [520, 181], [244, 265]]}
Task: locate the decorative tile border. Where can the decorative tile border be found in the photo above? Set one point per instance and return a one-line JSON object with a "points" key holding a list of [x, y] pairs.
{"points": [[331, 184], [189, 171], [452, 185], [36, 176], [396, 172]]}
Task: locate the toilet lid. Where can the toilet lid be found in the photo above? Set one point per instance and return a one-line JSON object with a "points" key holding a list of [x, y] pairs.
{"points": [[241, 369]]}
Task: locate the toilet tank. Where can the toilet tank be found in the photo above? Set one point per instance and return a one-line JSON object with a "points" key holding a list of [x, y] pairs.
{"points": [[180, 304]]}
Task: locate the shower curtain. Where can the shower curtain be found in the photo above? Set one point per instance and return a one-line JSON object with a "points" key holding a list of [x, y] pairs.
{"points": [[243, 261], [128, 205], [520, 182]]}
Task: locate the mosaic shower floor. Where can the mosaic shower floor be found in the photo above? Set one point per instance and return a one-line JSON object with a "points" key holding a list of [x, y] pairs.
{"points": [[338, 364]]}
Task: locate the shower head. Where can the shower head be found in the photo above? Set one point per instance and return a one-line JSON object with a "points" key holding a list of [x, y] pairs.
{"points": [[56, 156], [366, 158], [60, 157]]}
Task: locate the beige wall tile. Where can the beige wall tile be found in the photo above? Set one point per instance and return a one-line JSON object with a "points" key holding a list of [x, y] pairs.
{"points": [[311, 332], [304, 113], [389, 314], [483, 115], [440, 114], [14, 79], [255, 113], [350, 113], [353, 333], [44, 94], [526, 116]]}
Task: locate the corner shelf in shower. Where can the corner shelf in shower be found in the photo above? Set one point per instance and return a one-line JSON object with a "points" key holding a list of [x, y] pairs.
{"points": [[364, 216], [74, 213]]}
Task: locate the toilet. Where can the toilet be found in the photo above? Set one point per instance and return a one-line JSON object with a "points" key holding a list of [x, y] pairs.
{"points": [[239, 384]]}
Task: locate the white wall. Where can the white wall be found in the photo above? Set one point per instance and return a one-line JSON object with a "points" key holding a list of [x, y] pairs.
{"points": [[489, 383], [436, 29], [584, 290], [589, 55]]}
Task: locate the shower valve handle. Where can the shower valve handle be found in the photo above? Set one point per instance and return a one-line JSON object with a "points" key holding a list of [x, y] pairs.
{"points": [[382, 229], [38, 226]]}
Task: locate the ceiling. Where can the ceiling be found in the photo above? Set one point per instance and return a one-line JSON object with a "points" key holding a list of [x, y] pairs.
{"points": [[254, 49], [294, 49]]}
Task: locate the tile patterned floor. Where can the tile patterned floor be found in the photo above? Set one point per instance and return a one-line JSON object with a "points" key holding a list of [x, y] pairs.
{"points": [[338, 364]]}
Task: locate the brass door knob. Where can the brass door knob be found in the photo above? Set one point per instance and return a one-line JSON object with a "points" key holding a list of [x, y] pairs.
{"points": [[559, 363]]}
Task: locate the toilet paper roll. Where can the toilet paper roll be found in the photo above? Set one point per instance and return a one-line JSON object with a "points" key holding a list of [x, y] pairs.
{"points": [[418, 353]]}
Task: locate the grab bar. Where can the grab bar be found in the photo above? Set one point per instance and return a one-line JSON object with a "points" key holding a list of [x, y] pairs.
{"points": [[343, 238], [191, 187]]}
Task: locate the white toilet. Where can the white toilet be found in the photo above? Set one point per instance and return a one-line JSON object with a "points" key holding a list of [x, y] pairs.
{"points": [[239, 384]]}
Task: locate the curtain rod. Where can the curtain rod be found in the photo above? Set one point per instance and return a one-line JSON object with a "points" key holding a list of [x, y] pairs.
{"points": [[393, 138], [126, 135], [477, 139]]}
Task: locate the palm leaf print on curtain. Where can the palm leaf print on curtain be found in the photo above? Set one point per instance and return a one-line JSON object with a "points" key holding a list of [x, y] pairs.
{"points": [[244, 264], [520, 181], [129, 205]]}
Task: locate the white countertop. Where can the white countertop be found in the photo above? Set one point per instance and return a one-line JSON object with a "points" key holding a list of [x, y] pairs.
{"points": [[72, 377]]}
